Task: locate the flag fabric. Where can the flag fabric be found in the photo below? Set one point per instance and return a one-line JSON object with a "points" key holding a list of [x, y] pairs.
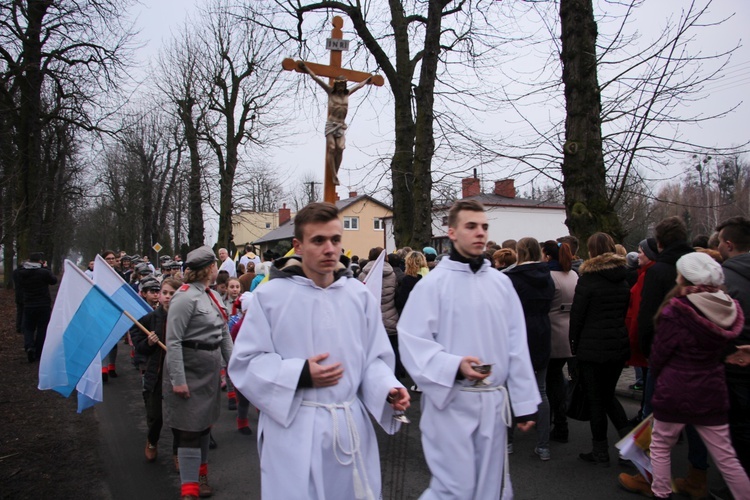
{"points": [[89, 388], [82, 319], [123, 295], [374, 279], [635, 447]]}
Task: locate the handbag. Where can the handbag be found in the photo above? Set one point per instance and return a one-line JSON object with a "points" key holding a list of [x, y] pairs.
{"points": [[577, 402]]}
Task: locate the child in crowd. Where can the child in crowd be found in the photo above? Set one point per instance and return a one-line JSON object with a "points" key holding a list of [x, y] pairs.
{"points": [[694, 326]]}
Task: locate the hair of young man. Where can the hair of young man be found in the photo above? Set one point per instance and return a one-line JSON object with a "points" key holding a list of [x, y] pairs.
{"points": [[600, 243], [461, 205], [572, 242], [312, 214], [736, 230], [374, 253], [528, 250], [511, 244], [670, 231], [108, 252]]}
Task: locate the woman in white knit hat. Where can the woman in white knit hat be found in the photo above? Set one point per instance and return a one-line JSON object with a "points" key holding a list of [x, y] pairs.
{"points": [[694, 325]]}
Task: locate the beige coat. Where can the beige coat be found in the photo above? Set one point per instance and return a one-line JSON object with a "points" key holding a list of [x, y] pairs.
{"points": [[387, 297], [559, 314]]}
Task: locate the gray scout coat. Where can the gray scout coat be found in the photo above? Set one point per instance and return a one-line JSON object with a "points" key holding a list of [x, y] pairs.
{"points": [[194, 317]]}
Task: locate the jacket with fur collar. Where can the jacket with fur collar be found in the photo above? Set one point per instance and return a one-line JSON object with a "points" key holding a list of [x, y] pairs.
{"points": [[597, 317]]}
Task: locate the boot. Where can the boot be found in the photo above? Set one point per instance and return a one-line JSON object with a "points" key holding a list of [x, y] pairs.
{"points": [[695, 484], [599, 455], [203, 487], [151, 452], [635, 484]]}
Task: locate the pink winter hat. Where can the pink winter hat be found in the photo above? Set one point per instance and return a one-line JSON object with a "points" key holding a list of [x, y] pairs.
{"points": [[700, 269]]}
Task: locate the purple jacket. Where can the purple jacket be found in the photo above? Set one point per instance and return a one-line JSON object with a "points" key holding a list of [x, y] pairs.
{"points": [[686, 359]]}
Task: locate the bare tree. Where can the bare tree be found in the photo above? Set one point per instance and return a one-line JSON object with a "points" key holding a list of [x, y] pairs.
{"points": [[178, 79], [643, 95], [57, 60], [239, 77]]}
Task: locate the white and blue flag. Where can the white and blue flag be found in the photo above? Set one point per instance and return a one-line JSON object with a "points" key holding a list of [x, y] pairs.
{"points": [[82, 320], [90, 391]]}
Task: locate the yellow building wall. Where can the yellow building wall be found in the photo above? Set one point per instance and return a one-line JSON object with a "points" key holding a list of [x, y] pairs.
{"points": [[361, 240], [250, 226]]}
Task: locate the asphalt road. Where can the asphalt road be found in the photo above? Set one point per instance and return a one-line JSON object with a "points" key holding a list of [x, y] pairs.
{"points": [[234, 468]]}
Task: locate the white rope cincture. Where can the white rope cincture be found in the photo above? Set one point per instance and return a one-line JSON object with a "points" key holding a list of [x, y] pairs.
{"points": [[505, 414], [362, 490]]}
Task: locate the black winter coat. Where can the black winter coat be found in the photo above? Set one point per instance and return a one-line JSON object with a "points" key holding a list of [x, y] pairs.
{"points": [[536, 289], [660, 279], [737, 281], [597, 317], [405, 287], [34, 282], [155, 321]]}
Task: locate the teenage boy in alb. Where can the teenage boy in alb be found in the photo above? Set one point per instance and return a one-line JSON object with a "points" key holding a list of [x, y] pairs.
{"points": [[313, 356], [461, 315]]}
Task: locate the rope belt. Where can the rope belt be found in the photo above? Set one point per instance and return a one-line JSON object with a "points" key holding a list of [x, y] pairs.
{"points": [[353, 456], [505, 414]]}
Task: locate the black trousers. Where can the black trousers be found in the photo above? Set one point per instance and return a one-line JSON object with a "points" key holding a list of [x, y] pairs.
{"points": [[600, 381], [154, 420]]}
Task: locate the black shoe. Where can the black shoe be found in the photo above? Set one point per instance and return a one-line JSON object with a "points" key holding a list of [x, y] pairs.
{"points": [[105, 376], [247, 431], [211, 443], [31, 355], [232, 404], [112, 373]]}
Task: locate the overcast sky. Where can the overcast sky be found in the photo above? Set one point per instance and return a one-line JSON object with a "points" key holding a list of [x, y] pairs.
{"points": [[370, 133]]}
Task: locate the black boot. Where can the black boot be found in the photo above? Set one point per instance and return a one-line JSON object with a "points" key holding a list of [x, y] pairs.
{"points": [[599, 455]]}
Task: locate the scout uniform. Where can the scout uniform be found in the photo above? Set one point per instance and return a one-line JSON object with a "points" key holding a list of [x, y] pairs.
{"points": [[196, 339]]}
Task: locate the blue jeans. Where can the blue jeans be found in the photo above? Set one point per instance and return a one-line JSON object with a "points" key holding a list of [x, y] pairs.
{"points": [[543, 423]]}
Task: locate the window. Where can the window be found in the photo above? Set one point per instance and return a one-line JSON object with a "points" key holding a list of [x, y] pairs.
{"points": [[445, 220], [268, 225], [377, 224], [351, 223]]}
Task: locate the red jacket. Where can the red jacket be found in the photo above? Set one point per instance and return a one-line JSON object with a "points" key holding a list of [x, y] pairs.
{"points": [[631, 318]]}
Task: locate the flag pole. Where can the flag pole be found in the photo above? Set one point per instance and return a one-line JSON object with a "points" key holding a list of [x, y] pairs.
{"points": [[143, 328]]}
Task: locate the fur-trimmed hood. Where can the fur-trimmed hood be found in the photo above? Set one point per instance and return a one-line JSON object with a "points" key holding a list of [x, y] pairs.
{"points": [[610, 265]]}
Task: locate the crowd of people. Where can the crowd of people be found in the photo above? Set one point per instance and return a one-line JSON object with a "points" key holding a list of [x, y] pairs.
{"points": [[491, 337]]}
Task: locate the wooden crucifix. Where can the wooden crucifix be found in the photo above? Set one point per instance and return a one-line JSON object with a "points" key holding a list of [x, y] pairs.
{"points": [[338, 101]]}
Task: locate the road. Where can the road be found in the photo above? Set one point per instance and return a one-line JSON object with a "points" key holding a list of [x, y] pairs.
{"points": [[234, 468]]}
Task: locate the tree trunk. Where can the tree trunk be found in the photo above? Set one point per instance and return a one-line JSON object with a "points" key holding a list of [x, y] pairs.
{"points": [[587, 206], [225, 201], [196, 231], [424, 141], [30, 174]]}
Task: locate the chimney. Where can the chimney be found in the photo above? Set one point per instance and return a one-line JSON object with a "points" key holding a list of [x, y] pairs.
{"points": [[505, 187], [352, 194], [471, 186], [284, 214]]}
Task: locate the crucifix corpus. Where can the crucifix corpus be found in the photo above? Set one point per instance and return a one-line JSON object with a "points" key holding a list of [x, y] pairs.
{"points": [[338, 100]]}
